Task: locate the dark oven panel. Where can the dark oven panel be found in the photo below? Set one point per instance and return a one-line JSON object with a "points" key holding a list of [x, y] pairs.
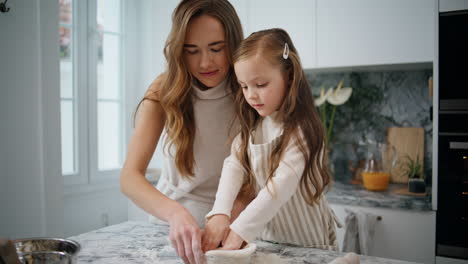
{"points": [[453, 123], [452, 211]]}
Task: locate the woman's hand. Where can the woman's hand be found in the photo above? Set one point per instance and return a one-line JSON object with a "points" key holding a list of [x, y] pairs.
{"points": [[216, 230], [185, 236], [233, 241]]}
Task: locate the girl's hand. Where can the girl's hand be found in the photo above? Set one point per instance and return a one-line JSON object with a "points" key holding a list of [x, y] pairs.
{"points": [[185, 236], [216, 230], [232, 242]]}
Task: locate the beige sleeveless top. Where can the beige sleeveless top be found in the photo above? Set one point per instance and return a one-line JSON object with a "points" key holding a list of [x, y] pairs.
{"points": [[213, 112]]}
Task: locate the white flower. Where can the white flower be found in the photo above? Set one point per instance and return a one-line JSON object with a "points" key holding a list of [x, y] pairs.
{"points": [[323, 96], [340, 95]]}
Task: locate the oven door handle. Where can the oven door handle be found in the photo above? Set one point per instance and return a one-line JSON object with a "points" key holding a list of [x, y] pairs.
{"points": [[458, 145]]}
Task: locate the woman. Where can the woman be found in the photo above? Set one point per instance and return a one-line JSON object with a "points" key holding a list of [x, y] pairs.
{"points": [[193, 101]]}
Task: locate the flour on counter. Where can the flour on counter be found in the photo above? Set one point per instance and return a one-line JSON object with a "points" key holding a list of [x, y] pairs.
{"points": [[262, 258]]}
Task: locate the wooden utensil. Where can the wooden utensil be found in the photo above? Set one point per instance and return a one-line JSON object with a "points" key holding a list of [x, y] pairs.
{"points": [[408, 141], [404, 191], [8, 253]]}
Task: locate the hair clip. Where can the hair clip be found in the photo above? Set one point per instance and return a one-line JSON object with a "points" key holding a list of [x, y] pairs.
{"points": [[286, 51]]}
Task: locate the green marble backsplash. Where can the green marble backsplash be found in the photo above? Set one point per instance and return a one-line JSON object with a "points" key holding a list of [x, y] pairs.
{"points": [[380, 99]]}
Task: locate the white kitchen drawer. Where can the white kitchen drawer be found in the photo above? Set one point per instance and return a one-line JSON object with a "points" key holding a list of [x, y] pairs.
{"points": [[401, 234]]}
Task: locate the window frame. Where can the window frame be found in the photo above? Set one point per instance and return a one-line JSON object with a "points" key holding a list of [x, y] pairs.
{"points": [[85, 97]]}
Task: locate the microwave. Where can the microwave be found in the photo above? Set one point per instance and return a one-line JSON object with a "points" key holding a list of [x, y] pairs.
{"points": [[453, 60]]}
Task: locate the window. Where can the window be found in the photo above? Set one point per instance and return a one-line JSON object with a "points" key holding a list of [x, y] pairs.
{"points": [[91, 90]]}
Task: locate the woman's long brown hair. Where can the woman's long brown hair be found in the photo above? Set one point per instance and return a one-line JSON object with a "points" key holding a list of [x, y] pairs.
{"points": [[175, 93], [298, 112]]}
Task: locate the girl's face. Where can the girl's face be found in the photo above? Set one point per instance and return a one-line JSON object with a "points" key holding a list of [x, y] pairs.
{"points": [[205, 50], [263, 84]]}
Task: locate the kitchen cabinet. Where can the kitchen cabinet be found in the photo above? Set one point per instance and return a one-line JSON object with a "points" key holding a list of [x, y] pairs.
{"points": [[340, 33], [452, 5], [296, 17], [374, 32], [400, 234]]}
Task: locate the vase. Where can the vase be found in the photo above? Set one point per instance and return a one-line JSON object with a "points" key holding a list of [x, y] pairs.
{"points": [[416, 185], [329, 163], [376, 180]]}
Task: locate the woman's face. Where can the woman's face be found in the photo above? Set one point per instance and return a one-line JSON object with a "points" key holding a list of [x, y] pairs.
{"points": [[205, 50]]}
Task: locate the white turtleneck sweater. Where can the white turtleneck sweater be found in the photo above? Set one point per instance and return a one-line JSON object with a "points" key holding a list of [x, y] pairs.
{"points": [[213, 112], [283, 217]]}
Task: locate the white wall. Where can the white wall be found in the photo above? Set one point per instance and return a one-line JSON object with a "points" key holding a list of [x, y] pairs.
{"points": [[30, 173], [33, 199], [146, 35], [85, 211], [155, 21]]}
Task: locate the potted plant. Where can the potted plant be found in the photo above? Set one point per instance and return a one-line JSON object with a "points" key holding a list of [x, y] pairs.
{"points": [[332, 98], [413, 168]]}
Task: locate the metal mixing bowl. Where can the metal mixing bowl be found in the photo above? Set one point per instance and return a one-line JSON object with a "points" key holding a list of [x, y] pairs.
{"points": [[47, 250]]}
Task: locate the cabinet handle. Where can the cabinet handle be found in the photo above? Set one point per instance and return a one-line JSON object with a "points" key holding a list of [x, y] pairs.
{"points": [[458, 145]]}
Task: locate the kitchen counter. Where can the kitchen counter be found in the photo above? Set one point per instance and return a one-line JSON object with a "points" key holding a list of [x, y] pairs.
{"points": [[143, 242], [356, 194]]}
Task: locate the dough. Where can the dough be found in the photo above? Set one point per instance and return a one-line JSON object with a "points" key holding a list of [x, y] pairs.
{"points": [[349, 258], [231, 256]]}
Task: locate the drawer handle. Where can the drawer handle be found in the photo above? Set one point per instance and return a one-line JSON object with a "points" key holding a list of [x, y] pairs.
{"points": [[458, 145]]}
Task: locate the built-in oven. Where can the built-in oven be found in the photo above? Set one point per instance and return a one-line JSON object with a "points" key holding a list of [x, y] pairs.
{"points": [[452, 171], [452, 200]]}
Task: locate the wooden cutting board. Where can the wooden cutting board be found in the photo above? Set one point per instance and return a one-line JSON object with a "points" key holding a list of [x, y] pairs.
{"points": [[407, 141], [404, 191]]}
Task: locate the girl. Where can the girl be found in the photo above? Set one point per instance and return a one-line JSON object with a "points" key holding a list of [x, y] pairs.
{"points": [[194, 102], [278, 154]]}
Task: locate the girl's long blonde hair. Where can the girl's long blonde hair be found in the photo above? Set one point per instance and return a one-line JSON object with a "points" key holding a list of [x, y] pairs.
{"points": [[298, 112], [175, 93]]}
